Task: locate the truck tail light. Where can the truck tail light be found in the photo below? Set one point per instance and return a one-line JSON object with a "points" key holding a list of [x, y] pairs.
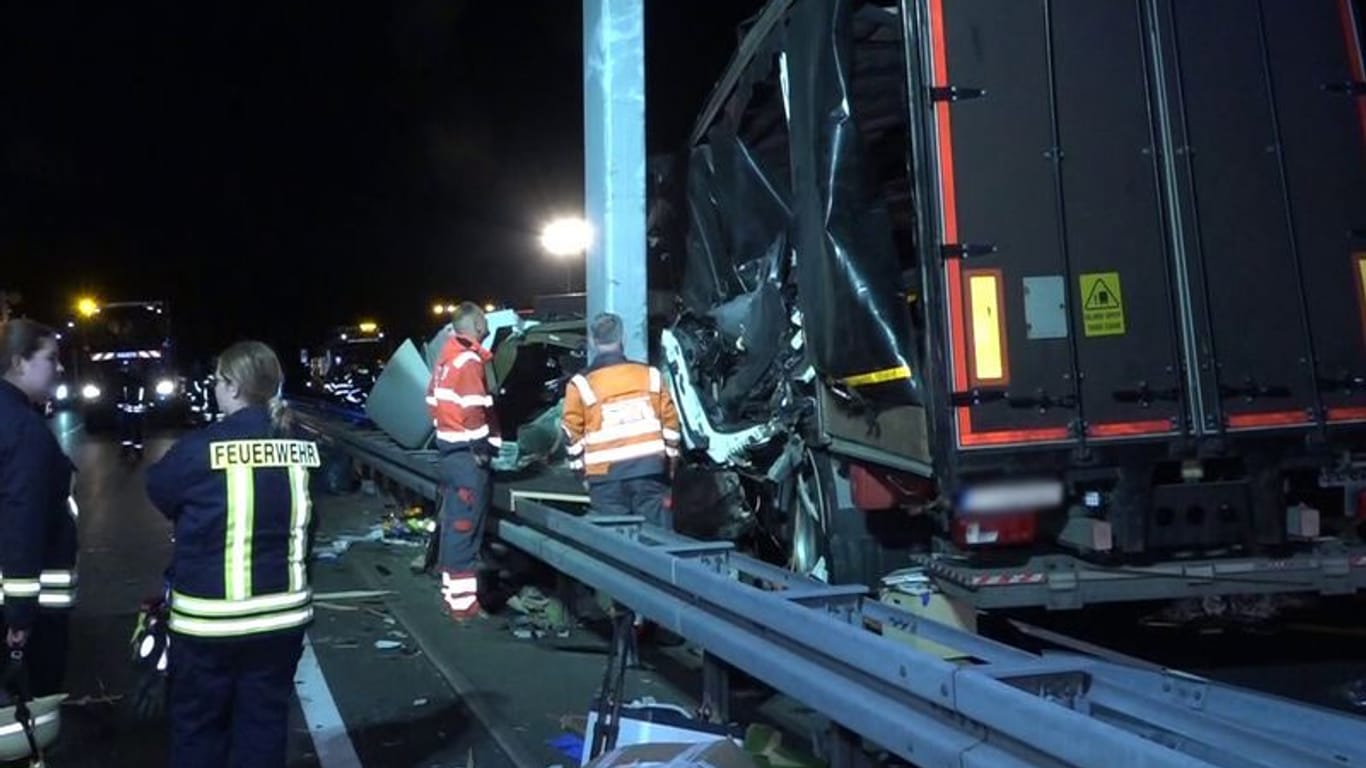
{"points": [[985, 529]]}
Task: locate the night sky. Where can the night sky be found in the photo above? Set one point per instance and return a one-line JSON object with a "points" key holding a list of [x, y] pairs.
{"points": [[273, 169]]}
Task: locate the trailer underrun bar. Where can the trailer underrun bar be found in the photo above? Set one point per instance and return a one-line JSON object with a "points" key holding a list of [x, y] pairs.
{"points": [[822, 645], [1062, 582]]}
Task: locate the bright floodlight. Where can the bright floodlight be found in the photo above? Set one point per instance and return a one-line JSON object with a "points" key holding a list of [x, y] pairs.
{"points": [[566, 237]]}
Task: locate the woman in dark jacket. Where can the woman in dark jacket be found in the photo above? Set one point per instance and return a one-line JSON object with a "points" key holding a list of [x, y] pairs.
{"points": [[37, 517]]}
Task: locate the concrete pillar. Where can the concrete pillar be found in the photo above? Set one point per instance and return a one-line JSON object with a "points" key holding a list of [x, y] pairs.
{"points": [[614, 155]]}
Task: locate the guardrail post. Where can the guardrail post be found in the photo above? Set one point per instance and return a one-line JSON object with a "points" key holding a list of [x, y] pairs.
{"points": [[844, 748], [715, 689]]}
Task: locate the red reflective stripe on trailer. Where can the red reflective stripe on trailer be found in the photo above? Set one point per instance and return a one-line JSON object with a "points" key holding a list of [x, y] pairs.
{"points": [[1349, 36], [1347, 414], [1009, 436], [1268, 419], [1292, 418], [1132, 428], [1056, 434], [949, 209]]}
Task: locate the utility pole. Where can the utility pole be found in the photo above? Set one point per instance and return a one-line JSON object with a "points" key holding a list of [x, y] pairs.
{"points": [[614, 155]]}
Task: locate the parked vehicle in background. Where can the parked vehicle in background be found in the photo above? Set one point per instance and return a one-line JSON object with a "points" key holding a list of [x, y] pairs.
{"points": [[344, 367], [120, 351]]}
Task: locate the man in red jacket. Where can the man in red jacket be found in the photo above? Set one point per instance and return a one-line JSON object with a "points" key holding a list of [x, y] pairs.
{"points": [[467, 438]]}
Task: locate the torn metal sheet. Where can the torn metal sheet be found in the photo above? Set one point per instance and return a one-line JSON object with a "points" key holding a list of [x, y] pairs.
{"points": [[792, 165], [858, 323], [397, 404], [527, 375]]}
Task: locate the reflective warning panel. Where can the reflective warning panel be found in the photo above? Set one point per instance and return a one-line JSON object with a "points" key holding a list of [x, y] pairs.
{"points": [[987, 330], [1361, 287], [1102, 309], [263, 453]]}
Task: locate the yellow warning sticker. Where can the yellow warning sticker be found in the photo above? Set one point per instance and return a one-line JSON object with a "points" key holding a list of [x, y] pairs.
{"points": [[1102, 304], [879, 377]]}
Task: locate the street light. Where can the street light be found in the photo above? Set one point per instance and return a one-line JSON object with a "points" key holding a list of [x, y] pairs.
{"points": [[87, 306], [566, 238]]}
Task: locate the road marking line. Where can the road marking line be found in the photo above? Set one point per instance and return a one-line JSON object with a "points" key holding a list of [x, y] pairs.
{"points": [[331, 742], [509, 742]]}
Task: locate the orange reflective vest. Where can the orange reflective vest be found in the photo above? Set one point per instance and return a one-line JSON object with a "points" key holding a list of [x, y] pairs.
{"points": [[620, 421], [460, 403]]}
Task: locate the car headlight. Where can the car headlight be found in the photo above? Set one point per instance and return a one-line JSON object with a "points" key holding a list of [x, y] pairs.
{"points": [[62, 392], [90, 392], [165, 388]]}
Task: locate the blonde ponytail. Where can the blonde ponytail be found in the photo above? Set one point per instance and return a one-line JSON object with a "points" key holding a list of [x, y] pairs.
{"points": [[281, 418]]}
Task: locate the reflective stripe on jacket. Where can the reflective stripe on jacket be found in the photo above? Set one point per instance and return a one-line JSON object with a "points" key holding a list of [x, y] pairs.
{"points": [[460, 403], [38, 549], [620, 421], [238, 496]]}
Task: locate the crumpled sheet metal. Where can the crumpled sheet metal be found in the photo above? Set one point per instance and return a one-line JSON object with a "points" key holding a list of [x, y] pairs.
{"points": [[398, 404], [819, 200]]}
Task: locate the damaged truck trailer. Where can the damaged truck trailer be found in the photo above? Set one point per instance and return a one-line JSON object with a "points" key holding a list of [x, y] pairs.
{"points": [[1063, 299]]}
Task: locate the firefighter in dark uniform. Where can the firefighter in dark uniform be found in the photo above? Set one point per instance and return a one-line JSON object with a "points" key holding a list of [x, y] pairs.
{"points": [[37, 515], [132, 408], [237, 493], [200, 386]]}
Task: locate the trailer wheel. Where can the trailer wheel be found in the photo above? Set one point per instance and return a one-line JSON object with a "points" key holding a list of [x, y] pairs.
{"points": [[811, 500]]}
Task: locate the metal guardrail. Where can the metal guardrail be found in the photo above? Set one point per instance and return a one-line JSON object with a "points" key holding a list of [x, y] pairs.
{"points": [[822, 645]]}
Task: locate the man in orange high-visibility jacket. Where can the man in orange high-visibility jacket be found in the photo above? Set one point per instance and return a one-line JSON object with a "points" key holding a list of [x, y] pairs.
{"points": [[622, 429], [467, 437]]}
